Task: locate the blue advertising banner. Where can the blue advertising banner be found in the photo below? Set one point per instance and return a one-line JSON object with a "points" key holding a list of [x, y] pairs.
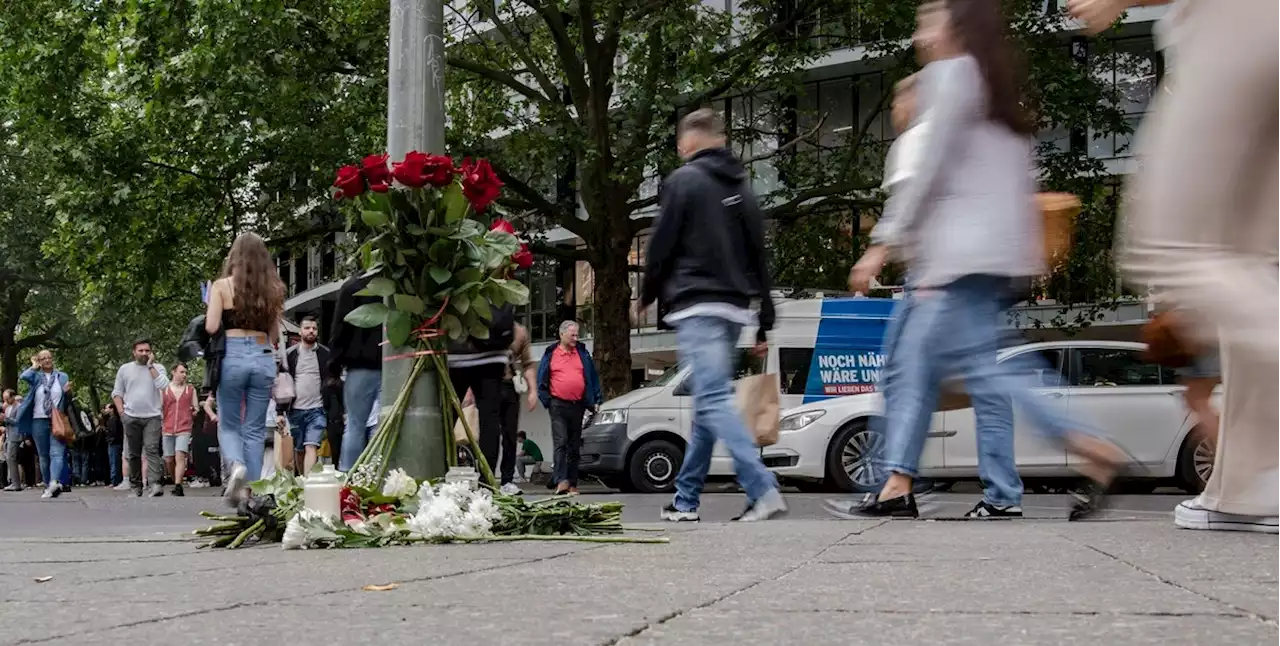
{"points": [[845, 372], [848, 353]]}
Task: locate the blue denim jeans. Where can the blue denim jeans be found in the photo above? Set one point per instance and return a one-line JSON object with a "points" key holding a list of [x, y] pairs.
{"points": [[307, 427], [115, 453], [359, 392], [955, 331], [706, 345], [52, 452], [244, 393]]}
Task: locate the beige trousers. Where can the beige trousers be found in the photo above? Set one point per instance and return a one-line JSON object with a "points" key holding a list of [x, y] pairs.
{"points": [[1201, 227]]}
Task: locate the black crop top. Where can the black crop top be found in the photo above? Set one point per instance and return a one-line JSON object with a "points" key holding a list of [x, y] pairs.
{"points": [[231, 321]]}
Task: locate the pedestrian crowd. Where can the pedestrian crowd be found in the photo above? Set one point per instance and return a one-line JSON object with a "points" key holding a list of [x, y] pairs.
{"points": [[1199, 231]]}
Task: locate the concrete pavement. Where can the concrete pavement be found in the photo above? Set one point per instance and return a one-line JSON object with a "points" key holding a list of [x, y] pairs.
{"points": [[1133, 579]]}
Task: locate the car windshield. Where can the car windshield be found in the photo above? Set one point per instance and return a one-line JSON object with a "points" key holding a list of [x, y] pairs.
{"points": [[666, 378]]}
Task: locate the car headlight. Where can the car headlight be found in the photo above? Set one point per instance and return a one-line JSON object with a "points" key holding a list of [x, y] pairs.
{"points": [[615, 416], [800, 421]]}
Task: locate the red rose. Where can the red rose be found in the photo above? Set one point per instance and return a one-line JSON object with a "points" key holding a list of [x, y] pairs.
{"points": [[376, 171], [350, 506], [409, 171], [379, 188], [349, 182], [502, 225], [480, 184], [523, 258], [438, 170]]}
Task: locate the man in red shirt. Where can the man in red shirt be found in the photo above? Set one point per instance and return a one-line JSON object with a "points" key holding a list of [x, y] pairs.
{"points": [[568, 386]]}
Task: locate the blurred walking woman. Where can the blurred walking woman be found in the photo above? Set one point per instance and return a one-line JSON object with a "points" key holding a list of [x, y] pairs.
{"points": [[246, 304], [35, 420], [965, 221]]}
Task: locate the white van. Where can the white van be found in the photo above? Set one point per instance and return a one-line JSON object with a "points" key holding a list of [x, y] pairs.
{"points": [[820, 348]]}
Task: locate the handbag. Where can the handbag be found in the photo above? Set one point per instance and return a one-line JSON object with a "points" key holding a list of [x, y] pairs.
{"points": [[1166, 344], [283, 391], [62, 427], [472, 416], [759, 403]]}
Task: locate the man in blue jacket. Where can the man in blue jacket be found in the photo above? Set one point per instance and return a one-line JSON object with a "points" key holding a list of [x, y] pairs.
{"points": [[48, 391], [568, 386]]}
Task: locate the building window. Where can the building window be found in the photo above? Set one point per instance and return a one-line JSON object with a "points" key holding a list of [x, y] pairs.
{"points": [[1131, 69]]}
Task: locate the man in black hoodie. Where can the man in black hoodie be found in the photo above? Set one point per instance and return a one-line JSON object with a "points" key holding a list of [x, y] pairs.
{"points": [[706, 261], [359, 351]]}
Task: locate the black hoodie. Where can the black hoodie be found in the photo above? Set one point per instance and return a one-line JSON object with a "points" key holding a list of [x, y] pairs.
{"points": [[708, 244], [353, 347]]}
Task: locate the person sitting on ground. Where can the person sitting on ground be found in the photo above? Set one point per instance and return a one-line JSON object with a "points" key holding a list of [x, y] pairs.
{"points": [[527, 454]]}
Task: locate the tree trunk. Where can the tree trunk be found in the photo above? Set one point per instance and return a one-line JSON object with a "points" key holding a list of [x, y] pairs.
{"points": [[613, 313], [9, 364]]}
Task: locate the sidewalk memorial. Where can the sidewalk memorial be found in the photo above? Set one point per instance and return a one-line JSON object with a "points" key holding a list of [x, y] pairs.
{"points": [[441, 271]]}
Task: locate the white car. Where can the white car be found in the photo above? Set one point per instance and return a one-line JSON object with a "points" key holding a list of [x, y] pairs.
{"points": [[1139, 405]]}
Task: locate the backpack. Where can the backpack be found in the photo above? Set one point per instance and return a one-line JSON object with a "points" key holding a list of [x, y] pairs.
{"points": [[502, 330]]}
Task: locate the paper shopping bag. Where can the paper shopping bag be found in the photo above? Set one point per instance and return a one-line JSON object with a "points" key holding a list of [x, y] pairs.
{"points": [[759, 403], [472, 416]]}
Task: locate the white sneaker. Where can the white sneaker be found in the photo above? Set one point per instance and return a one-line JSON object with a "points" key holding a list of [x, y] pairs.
{"points": [[1190, 514], [234, 493], [671, 514], [52, 491], [510, 489], [768, 506], [123, 486]]}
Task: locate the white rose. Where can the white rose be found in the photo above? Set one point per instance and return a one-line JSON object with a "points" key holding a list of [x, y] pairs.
{"points": [[399, 485]]}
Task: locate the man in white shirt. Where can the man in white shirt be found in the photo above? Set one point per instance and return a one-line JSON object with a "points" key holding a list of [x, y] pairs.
{"points": [[137, 393]]}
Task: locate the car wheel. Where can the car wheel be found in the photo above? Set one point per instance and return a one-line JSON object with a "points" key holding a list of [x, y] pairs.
{"points": [[852, 458], [654, 466], [1195, 461]]}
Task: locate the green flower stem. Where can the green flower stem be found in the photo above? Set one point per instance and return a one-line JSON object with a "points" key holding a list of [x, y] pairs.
{"points": [[485, 471], [253, 529], [397, 414], [446, 416], [219, 529]]}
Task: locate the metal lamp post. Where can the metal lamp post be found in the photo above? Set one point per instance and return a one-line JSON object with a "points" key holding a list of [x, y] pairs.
{"points": [[415, 121]]}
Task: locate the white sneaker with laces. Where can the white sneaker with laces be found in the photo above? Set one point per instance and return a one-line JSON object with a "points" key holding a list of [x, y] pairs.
{"points": [[1190, 514], [510, 489], [768, 506], [123, 486], [234, 493]]}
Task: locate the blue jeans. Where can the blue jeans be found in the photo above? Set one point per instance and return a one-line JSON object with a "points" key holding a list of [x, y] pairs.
{"points": [[307, 427], [359, 392], [115, 452], [244, 393], [706, 345], [955, 330], [52, 452]]}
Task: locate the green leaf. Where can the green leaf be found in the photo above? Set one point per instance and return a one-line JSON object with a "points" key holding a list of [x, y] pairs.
{"points": [[455, 203], [496, 295], [461, 302], [374, 219], [410, 303], [452, 326], [502, 242], [368, 315], [377, 202], [479, 330], [415, 230], [469, 275], [466, 230], [515, 292], [440, 274], [398, 327], [481, 308], [379, 286]]}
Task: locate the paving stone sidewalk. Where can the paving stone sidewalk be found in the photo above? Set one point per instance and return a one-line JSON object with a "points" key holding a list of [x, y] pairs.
{"points": [[805, 582]]}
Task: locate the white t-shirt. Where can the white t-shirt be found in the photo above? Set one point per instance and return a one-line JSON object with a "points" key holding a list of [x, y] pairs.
{"points": [[55, 391]]}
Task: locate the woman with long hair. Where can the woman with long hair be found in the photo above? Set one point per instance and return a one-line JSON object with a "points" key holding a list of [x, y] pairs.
{"points": [[965, 221], [245, 305]]}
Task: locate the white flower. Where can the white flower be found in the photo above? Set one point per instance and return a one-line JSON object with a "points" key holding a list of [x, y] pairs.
{"points": [[459, 492], [437, 519], [295, 535], [399, 485], [484, 507], [474, 525]]}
